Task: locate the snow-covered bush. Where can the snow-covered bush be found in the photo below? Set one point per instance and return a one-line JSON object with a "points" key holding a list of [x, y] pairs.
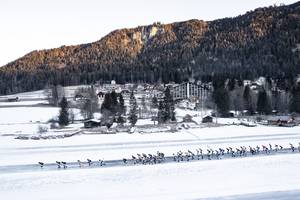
{"points": [[42, 129], [54, 125]]}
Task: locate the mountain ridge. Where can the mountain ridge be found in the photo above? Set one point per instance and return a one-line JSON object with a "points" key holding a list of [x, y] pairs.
{"points": [[260, 42]]}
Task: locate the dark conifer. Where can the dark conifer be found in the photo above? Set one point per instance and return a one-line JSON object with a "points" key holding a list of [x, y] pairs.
{"points": [[263, 103], [169, 106], [154, 103], [63, 118], [295, 99], [220, 96], [122, 107], [133, 110], [247, 96]]}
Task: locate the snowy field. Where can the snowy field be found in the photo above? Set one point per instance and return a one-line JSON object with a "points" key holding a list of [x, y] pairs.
{"points": [[268, 177], [265, 177], [41, 94]]}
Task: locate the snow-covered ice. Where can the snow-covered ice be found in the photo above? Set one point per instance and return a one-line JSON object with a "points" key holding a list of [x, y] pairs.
{"points": [[239, 178]]}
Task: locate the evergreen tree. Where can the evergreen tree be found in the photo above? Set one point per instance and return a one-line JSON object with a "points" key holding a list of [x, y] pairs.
{"points": [[121, 120], [295, 99], [231, 84], [144, 106], [247, 97], [122, 107], [133, 110], [154, 103], [114, 102], [221, 99], [263, 103], [63, 118], [161, 112], [240, 82], [169, 106], [166, 108], [268, 83], [106, 105], [220, 96]]}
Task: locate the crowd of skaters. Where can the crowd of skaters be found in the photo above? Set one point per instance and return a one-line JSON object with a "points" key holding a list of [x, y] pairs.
{"points": [[146, 158], [89, 163], [197, 154], [241, 151]]}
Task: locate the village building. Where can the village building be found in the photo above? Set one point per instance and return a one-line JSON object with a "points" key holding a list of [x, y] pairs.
{"points": [[207, 119], [92, 123], [187, 118], [191, 91], [78, 97], [13, 99], [281, 121]]}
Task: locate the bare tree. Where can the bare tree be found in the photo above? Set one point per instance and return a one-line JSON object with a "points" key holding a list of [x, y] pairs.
{"points": [[54, 94], [89, 104], [236, 99], [72, 115], [144, 108]]}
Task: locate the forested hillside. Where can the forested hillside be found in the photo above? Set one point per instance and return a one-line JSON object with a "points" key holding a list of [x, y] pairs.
{"points": [[265, 42]]}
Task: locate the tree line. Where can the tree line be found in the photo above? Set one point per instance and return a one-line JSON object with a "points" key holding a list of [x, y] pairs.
{"points": [[113, 108], [265, 98]]}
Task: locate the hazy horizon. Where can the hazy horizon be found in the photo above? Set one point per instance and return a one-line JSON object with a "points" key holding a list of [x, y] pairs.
{"points": [[44, 24]]}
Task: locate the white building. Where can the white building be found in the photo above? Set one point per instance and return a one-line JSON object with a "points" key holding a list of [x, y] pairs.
{"points": [[192, 91]]}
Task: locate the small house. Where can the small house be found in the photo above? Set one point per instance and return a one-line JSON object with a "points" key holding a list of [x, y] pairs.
{"points": [[13, 99], [92, 123], [281, 121], [101, 94], [207, 119], [187, 118], [125, 92], [78, 97]]}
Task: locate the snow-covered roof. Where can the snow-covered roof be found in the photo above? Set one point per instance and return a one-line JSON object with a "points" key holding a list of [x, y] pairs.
{"points": [[93, 120], [276, 118], [207, 116], [261, 80]]}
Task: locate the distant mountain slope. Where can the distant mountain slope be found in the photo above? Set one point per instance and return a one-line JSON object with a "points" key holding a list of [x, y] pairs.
{"points": [[265, 41]]}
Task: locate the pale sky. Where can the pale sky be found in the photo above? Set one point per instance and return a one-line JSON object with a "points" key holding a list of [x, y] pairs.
{"points": [[27, 25]]}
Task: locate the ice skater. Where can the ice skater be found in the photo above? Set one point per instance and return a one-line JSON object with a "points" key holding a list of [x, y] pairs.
{"points": [[101, 162], [292, 147], [64, 164], [58, 164], [41, 164], [79, 163], [276, 147], [89, 161]]}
